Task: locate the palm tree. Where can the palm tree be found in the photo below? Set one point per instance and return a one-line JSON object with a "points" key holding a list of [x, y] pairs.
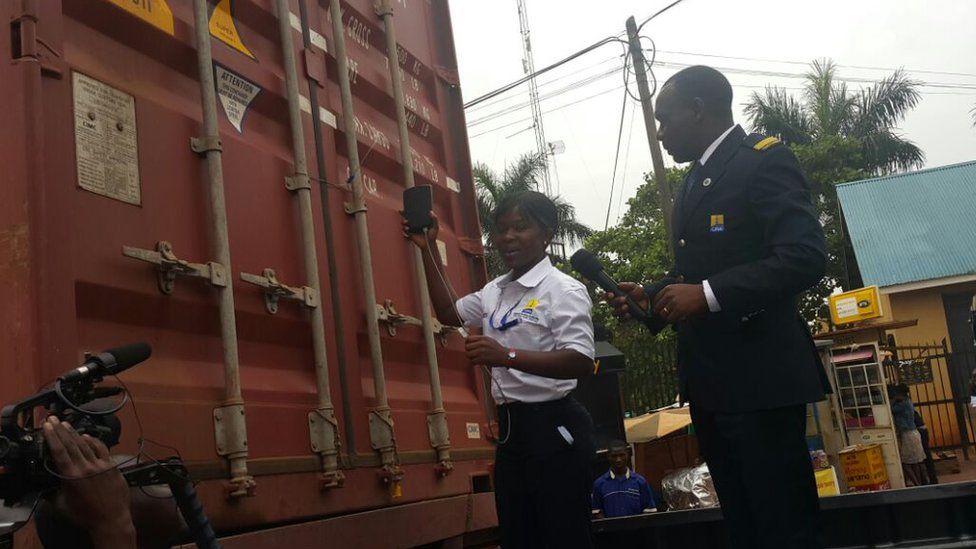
{"points": [[827, 108], [522, 175]]}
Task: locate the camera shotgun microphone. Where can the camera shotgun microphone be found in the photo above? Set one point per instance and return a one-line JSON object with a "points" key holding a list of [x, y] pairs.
{"points": [[107, 363]]}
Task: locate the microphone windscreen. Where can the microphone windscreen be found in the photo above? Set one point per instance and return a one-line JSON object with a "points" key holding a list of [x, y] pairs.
{"points": [[585, 263], [129, 355]]}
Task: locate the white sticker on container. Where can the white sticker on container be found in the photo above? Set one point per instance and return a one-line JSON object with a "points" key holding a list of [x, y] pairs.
{"points": [[324, 115], [106, 141], [236, 94], [317, 39], [846, 308], [453, 185], [442, 248], [474, 430]]}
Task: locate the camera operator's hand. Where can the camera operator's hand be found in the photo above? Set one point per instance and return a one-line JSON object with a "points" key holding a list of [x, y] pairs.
{"points": [[95, 494]]}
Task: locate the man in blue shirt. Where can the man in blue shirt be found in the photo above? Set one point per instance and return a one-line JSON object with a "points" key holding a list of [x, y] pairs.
{"points": [[621, 492]]}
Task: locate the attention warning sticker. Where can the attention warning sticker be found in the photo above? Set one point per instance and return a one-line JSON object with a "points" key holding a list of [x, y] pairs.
{"points": [[224, 28], [236, 94], [154, 12], [106, 146]]}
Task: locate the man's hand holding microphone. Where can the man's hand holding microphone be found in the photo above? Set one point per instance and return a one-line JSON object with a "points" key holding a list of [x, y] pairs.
{"points": [[674, 301]]}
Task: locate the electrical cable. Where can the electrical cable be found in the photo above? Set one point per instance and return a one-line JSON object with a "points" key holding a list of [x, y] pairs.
{"points": [[546, 83], [807, 64], [616, 156], [659, 12], [630, 135], [555, 109], [542, 71], [97, 413], [485, 369], [568, 88]]}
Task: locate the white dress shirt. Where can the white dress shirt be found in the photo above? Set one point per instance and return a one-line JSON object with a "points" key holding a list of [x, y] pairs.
{"points": [[713, 304], [552, 310]]}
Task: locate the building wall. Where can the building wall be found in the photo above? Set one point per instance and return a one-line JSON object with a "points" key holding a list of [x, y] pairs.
{"points": [[927, 307]]}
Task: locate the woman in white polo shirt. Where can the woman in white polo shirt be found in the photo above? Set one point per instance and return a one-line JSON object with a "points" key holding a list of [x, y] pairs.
{"points": [[537, 341]]}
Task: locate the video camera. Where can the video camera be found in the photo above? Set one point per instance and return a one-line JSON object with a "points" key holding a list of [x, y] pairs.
{"points": [[74, 397]]}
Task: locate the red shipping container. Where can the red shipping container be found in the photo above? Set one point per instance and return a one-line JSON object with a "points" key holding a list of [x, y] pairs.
{"points": [[102, 99]]}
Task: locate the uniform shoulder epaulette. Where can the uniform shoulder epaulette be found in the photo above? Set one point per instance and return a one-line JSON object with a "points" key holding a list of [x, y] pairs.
{"points": [[765, 143], [759, 142]]}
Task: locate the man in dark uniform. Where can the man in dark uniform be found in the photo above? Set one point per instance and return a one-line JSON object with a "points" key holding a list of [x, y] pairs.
{"points": [[746, 242]]}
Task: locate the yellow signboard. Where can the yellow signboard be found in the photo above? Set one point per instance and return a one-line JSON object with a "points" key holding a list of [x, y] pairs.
{"points": [[862, 304], [154, 12], [224, 28]]}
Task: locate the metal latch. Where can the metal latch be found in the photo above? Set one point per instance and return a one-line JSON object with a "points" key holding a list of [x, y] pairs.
{"points": [[387, 314], [170, 266], [275, 290]]}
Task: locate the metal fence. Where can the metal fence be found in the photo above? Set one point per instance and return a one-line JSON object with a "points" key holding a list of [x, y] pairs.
{"points": [[939, 385], [651, 378]]}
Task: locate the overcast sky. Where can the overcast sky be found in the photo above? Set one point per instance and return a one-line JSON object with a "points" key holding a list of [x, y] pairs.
{"points": [[934, 40]]}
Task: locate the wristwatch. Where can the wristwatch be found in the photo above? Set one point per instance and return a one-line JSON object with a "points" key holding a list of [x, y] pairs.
{"points": [[511, 356]]}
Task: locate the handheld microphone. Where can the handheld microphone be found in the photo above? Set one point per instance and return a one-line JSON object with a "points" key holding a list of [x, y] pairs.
{"points": [[589, 266], [110, 362], [586, 264]]}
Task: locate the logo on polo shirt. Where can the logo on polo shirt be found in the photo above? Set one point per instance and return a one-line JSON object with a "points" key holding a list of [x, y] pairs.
{"points": [[529, 313]]}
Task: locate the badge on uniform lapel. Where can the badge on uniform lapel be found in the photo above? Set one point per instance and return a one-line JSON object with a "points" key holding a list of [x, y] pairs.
{"points": [[717, 223], [707, 182]]}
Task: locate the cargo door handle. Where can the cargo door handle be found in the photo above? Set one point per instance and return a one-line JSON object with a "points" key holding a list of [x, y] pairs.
{"points": [[170, 266]]}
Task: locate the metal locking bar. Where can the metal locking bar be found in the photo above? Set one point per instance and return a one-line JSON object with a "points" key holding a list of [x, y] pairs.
{"points": [[275, 290], [170, 266], [387, 314]]}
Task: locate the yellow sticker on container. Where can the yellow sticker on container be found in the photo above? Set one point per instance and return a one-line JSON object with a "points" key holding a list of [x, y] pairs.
{"points": [[154, 12], [224, 28]]}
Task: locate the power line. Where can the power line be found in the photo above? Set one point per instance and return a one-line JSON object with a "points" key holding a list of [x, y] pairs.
{"points": [[587, 98], [546, 83], [659, 12], [616, 155], [570, 87], [542, 71], [580, 53], [849, 79], [807, 64], [630, 136]]}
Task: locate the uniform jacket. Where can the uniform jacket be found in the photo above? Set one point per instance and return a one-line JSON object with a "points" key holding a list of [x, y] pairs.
{"points": [[745, 222]]}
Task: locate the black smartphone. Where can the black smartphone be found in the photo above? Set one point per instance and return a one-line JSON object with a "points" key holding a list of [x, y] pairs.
{"points": [[417, 204]]}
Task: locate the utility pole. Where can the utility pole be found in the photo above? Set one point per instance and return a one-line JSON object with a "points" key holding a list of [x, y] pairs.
{"points": [[528, 65], [660, 177]]}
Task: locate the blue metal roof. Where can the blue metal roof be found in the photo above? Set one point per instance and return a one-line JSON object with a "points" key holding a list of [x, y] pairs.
{"points": [[913, 226]]}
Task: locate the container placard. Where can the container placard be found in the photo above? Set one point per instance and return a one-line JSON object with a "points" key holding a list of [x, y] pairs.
{"points": [[106, 148]]}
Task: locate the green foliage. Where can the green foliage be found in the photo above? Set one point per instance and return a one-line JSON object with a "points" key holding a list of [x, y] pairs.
{"points": [[828, 109], [839, 135], [636, 250], [827, 162]]}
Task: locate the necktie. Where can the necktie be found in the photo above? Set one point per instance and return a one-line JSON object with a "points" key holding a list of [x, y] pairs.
{"points": [[689, 181]]}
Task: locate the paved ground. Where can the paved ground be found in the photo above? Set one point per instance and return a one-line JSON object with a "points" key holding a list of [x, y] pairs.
{"points": [[967, 470]]}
